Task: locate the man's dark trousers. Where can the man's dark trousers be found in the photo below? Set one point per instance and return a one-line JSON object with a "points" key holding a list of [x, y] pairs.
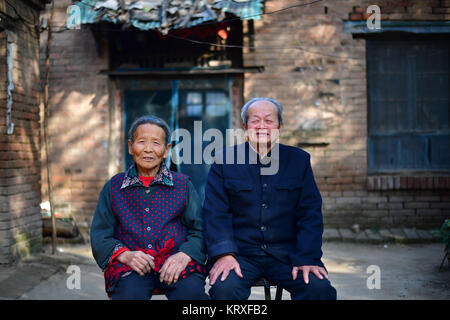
{"points": [[264, 265]]}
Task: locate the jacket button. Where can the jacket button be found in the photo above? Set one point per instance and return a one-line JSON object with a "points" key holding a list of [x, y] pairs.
{"points": [[265, 185], [264, 205], [263, 228], [148, 228], [147, 191], [147, 209], [263, 246], [149, 246]]}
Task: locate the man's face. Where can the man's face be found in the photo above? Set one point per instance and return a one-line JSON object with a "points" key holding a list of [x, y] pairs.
{"points": [[263, 126]]}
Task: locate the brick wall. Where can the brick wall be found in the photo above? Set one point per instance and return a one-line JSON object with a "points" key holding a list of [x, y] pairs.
{"points": [[20, 196], [324, 96], [79, 120], [86, 124], [322, 86]]}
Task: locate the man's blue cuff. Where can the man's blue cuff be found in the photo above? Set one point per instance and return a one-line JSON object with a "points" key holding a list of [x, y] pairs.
{"points": [[297, 261], [222, 247]]}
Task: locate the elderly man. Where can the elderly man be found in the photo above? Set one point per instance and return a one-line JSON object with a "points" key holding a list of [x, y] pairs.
{"points": [[260, 224]]}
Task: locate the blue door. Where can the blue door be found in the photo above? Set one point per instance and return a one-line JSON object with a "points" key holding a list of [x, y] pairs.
{"points": [[180, 103]]}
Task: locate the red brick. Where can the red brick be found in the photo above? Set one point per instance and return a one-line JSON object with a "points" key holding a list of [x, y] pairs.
{"points": [[441, 10], [376, 183], [355, 16], [436, 182], [410, 183], [403, 182], [423, 183], [442, 182], [366, 15], [429, 182]]}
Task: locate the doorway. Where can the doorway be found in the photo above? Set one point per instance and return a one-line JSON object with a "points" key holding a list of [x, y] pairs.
{"points": [[182, 102]]}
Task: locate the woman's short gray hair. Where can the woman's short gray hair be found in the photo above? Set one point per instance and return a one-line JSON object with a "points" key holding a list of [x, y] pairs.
{"points": [[244, 112], [149, 119]]}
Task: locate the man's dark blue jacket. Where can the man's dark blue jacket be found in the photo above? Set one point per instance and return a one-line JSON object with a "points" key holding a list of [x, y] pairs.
{"points": [[246, 213]]}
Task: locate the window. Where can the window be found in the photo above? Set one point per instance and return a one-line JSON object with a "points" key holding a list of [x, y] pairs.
{"points": [[194, 104], [408, 88]]}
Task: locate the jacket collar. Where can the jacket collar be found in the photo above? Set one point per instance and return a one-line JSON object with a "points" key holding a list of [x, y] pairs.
{"points": [[253, 154], [131, 177]]}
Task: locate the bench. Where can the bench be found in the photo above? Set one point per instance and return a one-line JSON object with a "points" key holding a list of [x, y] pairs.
{"points": [[259, 283], [267, 284]]}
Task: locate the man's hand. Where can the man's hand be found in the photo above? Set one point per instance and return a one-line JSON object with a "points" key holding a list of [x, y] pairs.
{"points": [[138, 261], [173, 266], [318, 271], [223, 266]]}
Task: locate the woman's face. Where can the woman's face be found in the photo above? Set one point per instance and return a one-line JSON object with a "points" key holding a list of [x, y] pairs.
{"points": [[148, 148]]}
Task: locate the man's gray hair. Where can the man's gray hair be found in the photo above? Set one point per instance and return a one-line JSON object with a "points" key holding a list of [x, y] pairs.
{"points": [[244, 111]]}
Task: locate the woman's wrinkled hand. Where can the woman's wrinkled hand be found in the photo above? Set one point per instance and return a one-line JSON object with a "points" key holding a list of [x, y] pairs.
{"points": [[138, 261], [173, 266]]}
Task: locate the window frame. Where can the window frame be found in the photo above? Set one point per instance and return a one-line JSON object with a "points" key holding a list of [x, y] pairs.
{"points": [[372, 168]]}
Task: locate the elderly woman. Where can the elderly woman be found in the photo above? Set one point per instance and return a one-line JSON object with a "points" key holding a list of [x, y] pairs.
{"points": [[146, 233]]}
